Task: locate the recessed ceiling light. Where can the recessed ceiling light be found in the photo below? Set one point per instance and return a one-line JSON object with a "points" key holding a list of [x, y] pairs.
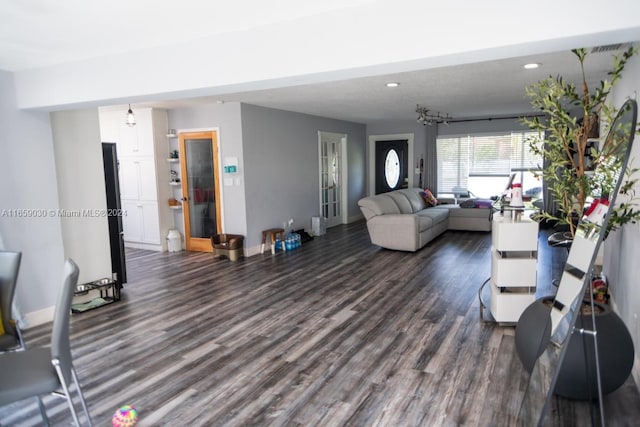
{"points": [[532, 65], [393, 84]]}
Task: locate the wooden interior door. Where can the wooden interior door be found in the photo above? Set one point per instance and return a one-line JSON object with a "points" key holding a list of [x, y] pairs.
{"points": [[200, 174]]}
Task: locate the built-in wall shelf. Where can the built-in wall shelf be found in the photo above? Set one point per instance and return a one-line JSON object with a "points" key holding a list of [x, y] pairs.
{"points": [[172, 160], [176, 207], [175, 183]]}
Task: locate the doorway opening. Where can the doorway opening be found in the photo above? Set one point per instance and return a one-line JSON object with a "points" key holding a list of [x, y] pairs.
{"points": [[390, 160], [332, 155]]}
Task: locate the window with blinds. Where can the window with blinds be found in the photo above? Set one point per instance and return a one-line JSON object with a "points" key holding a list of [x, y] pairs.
{"points": [[463, 158]]}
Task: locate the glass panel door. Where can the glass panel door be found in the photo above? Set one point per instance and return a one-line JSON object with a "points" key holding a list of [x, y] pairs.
{"points": [[331, 170], [200, 189]]}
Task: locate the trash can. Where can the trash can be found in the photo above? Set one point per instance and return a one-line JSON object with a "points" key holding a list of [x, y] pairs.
{"points": [[318, 225], [174, 240], [228, 245]]}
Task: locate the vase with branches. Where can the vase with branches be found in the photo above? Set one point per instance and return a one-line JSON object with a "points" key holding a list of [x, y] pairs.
{"points": [[567, 141]]}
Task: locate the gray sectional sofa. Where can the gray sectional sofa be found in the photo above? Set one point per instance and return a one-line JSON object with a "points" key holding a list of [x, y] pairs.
{"points": [[400, 219]]}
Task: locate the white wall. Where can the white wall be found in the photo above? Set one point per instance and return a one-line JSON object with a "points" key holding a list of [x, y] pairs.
{"points": [[81, 188], [355, 46], [29, 182], [622, 248]]}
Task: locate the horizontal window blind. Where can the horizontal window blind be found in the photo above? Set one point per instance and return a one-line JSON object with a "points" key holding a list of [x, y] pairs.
{"points": [[482, 155]]}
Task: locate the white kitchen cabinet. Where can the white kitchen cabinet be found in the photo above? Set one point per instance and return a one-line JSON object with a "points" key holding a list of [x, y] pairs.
{"points": [[131, 140], [141, 224], [143, 172], [138, 178]]}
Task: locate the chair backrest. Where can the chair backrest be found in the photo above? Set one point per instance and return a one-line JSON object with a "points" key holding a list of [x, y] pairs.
{"points": [[9, 267], [60, 343]]}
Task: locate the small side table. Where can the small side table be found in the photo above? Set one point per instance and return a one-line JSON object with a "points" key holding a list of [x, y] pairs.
{"points": [[272, 234], [109, 293]]}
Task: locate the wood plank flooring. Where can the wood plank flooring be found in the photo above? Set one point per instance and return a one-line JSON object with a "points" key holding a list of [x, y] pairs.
{"points": [[337, 333]]}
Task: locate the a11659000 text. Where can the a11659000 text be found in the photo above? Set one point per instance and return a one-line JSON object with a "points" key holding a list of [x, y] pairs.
{"points": [[61, 213]]}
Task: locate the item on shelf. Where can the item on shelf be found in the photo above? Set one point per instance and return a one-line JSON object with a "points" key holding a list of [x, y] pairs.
{"points": [[516, 196], [174, 154], [174, 176], [174, 202], [600, 288]]}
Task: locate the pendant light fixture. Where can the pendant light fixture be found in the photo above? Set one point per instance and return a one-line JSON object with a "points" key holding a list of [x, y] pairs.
{"points": [[131, 119]]}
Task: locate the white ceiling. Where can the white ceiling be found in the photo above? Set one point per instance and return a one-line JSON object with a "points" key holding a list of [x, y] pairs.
{"points": [[42, 33], [481, 89], [472, 90]]}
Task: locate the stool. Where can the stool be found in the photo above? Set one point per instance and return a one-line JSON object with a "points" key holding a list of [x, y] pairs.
{"points": [[272, 233], [228, 245]]}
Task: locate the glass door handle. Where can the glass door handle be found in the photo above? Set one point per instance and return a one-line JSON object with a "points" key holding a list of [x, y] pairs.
{"points": [[185, 199]]}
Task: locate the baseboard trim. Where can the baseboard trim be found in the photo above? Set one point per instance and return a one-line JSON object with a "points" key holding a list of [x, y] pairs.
{"points": [[147, 246], [354, 218], [36, 318]]}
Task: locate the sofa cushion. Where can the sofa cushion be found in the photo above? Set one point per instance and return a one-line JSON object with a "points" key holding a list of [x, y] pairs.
{"points": [[457, 210], [436, 215], [425, 222], [474, 219], [381, 204], [401, 200], [413, 195]]}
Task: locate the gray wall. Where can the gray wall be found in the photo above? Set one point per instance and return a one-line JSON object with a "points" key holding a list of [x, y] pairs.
{"points": [[622, 248], [281, 167], [29, 182], [226, 119]]}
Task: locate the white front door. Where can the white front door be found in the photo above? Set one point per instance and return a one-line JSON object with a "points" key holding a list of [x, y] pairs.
{"points": [[332, 149]]}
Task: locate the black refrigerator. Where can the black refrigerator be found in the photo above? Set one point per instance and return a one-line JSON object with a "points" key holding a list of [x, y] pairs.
{"points": [[116, 234]]}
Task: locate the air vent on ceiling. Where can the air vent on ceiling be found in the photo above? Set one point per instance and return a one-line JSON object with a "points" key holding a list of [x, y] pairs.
{"points": [[607, 48]]}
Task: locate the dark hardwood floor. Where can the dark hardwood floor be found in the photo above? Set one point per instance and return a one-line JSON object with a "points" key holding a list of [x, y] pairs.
{"points": [[337, 333]]}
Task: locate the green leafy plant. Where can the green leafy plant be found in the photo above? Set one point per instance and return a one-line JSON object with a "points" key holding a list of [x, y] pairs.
{"points": [[566, 141]]}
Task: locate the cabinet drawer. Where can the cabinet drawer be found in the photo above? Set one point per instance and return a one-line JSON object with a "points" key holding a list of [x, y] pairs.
{"points": [[508, 306], [513, 269], [514, 236]]}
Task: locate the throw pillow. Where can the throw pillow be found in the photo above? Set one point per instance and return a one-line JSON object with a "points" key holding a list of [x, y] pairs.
{"points": [[428, 197]]}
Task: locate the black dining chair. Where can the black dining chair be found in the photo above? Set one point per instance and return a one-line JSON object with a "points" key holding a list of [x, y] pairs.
{"points": [[11, 337], [38, 371]]}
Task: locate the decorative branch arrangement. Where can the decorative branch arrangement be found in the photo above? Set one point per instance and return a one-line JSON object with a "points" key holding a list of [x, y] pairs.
{"points": [[568, 141]]}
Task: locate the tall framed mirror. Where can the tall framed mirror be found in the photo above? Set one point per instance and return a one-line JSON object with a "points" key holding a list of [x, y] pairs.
{"points": [[555, 323]]}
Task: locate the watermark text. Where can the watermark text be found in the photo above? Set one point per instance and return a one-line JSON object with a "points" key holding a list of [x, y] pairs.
{"points": [[61, 213]]}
